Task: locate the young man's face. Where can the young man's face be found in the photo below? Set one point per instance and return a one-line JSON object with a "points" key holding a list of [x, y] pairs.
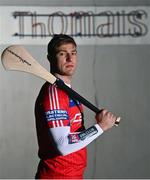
{"points": [[66, 59]]}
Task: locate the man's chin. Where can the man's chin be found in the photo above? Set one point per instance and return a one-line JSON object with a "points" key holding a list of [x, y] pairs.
{"points": [[69, 74]]}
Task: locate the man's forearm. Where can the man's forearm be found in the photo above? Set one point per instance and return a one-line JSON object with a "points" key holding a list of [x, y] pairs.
{"points": [[70, 142]]}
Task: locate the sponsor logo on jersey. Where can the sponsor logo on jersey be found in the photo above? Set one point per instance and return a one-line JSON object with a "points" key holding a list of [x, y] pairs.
{"points": [[73, 138], [72, 103], [57, 114], [88, 133], [77, 118]]}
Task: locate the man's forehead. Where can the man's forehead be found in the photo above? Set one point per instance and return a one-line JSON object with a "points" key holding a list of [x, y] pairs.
{"points": [[65, 47]]}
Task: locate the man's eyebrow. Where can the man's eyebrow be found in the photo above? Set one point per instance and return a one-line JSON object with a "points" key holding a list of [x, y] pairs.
{"points": [[73, 50]]}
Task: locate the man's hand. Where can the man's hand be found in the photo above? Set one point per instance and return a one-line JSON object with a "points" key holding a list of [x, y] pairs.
{"points": [[105, 119]]}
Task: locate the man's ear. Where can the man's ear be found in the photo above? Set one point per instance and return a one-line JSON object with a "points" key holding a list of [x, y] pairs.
{"points": [[53, 64]]}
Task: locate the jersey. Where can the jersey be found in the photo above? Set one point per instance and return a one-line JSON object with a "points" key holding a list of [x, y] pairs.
{"points": [[62, 138]]}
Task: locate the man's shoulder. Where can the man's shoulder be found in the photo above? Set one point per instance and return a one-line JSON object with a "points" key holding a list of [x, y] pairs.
{"points": [[48, 88]]}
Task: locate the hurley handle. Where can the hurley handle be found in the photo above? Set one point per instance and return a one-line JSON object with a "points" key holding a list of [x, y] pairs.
{"points": [[77, 96], [81, 99]]}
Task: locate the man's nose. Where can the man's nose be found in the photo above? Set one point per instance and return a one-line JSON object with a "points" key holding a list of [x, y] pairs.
{"points": [[68, 56]]}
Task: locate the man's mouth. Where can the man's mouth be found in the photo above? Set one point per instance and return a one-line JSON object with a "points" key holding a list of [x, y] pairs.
{"points": [[69, 66]]}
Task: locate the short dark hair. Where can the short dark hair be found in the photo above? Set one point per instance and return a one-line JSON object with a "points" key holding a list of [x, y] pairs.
{"points": [[53, 45]]}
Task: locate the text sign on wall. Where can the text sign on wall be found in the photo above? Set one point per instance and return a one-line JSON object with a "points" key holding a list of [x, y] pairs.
{"points": [[88, 25]]}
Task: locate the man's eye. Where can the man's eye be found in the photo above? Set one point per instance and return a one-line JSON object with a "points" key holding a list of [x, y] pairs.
{"points": [[62, 53], [74, 53]]}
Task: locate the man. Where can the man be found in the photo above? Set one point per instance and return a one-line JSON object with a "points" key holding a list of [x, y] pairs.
{"points": [[62, 137]]}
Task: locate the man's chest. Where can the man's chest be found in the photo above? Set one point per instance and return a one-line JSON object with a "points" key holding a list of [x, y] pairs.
{"points": [[75, 113]]}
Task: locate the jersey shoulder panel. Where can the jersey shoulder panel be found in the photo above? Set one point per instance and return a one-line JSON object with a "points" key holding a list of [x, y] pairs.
{"points": [[55, 103]]}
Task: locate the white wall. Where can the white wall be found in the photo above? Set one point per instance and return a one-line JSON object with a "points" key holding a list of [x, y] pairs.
{"points": [[123, 85]]}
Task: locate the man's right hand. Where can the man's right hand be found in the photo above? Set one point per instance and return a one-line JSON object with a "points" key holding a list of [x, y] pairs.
{"points": [[105, 119]]}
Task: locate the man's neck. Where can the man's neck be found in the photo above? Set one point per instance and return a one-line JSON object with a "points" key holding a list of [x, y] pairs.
{"points": [[66, 79]]}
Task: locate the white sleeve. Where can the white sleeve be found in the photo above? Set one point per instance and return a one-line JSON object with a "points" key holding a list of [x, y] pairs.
{"points": [[70, 142]]}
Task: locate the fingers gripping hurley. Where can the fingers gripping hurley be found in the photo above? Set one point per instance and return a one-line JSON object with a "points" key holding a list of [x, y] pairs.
{"points": [[17, 58]]}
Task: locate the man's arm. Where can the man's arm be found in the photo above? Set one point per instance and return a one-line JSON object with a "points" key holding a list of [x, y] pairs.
{"points": [[57, 118], [70, 142]]}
